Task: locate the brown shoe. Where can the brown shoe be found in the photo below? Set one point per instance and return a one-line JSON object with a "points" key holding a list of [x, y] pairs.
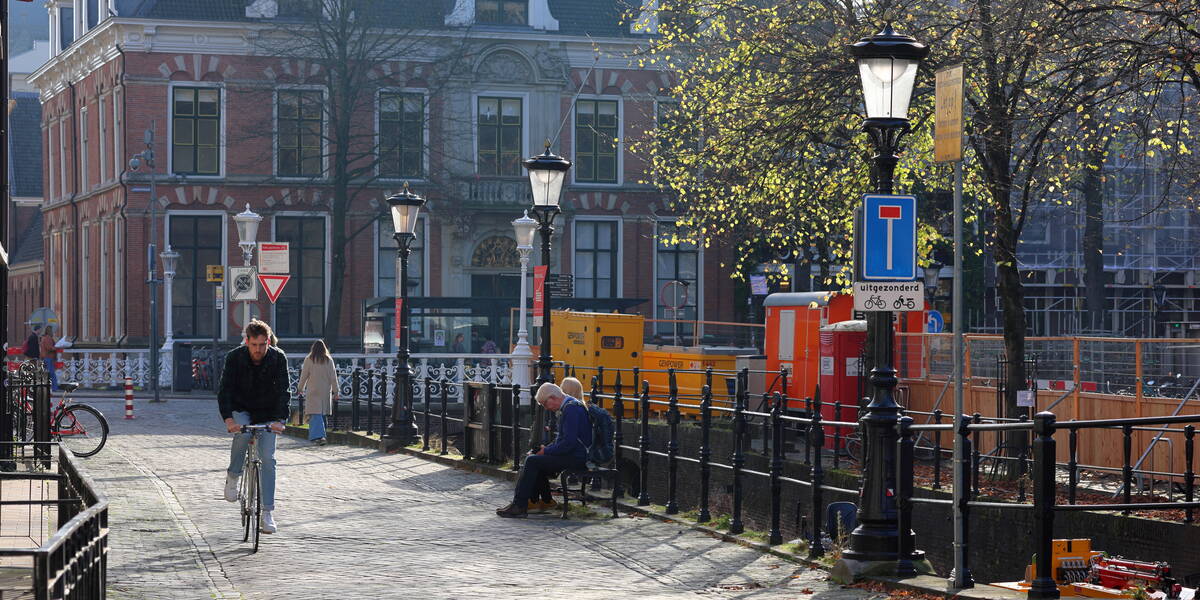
{"points": [[547, 506], [512, 512]]}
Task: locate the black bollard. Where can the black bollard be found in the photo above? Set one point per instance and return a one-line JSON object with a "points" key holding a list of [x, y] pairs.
{"points": [[445, 389], [672, 443], [904, 491], [1043, 586], [937, 451], [1189, 474], [644, 447], [618, 431], [515, 420], [705, 450], [1072, 464], [776, 535], [739, 459], [816, 440], [425, 416]]}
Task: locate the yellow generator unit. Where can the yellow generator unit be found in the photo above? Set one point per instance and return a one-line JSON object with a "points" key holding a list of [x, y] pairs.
{"points": [[587, 340]]}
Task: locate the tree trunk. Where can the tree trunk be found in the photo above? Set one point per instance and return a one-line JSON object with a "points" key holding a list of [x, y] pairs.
{"points": [[1012, 300], [1093, 242]]}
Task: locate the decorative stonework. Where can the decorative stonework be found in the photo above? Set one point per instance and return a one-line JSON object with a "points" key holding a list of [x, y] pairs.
{"points": [[550, 65], [504, 66], [496, 252]]}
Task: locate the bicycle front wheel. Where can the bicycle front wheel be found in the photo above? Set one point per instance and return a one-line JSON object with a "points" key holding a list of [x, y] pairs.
{"points": [[257, 503], [82, 429]]}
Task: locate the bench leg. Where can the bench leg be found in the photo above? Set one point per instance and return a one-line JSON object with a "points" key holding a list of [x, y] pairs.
{"points": [[583, 489], [614, 496]]}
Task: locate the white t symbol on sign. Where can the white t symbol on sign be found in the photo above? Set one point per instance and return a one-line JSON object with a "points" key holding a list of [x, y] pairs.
{"points": [[890, 213]]}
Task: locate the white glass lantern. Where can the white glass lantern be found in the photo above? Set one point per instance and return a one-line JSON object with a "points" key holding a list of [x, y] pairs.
{"points": [[406, 207], [525, 229], [247, 226], [170, 260], [546, 175], [887, 68]]}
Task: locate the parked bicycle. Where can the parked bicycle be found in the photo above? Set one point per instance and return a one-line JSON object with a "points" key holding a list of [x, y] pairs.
{"points": [[81, 428], [250, 495]]}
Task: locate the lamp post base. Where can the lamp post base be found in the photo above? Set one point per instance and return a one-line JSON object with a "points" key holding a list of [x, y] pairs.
{"points": [[847, 570], [398, 435]]}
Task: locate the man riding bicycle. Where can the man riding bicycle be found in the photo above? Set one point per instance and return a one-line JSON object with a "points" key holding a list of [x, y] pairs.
{"points": [[254, 390]]}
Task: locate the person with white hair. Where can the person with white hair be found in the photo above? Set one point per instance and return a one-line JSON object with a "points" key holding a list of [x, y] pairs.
{"points": [[569, 450]]}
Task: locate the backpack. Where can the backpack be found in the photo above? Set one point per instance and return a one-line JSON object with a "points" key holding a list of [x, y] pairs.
{"points": [[601, 450]]}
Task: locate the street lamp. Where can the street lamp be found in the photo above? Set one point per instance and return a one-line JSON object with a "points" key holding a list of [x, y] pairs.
{"points": [[247, 227], [405, 207], [524, 227], [135, 164], [170, 259], [546, 175], [887, 65], [932, 274]]}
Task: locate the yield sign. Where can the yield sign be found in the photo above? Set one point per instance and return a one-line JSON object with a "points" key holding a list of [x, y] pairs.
{"points": [[273, 284]]}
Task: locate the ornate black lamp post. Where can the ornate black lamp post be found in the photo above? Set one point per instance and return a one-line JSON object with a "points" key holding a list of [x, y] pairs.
{"points": [[405, 206], [546, 175], [887, 64]]}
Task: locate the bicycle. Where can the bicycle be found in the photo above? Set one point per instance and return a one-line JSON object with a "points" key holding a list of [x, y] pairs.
{"points": [[250, 494], [875, 302], [81, 428]]}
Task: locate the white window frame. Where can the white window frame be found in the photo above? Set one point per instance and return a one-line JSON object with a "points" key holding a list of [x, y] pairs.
{"points": [[64, 252], [105, 264], [620, 136], [699, 272], [62, 157], [497, 93], [328, 262], [168, 146], [118, 280], [83, 150], [423, 223], [425, 145], [224, 328], [275, 133], [619, 275], [116, 133], [84, 281], [102, 145], [51, 164]]}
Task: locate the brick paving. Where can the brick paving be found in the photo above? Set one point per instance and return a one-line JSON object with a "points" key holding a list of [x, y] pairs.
{"points": [[356, 523]]}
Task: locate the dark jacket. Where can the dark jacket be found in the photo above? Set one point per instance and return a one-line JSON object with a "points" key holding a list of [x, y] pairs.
{"points": [[574, 431], [261, 390]]}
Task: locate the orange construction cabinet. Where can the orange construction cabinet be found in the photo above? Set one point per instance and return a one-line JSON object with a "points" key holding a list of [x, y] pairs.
{"points": [[794, 320], [586, 340]]}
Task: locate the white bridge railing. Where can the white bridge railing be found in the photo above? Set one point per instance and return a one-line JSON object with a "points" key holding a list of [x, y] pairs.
{"points": [[95, 369]]}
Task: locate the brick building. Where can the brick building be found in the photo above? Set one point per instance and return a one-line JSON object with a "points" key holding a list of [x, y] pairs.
{"points": [[237, 126]]}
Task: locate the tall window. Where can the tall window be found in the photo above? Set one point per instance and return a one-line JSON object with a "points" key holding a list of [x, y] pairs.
{"points": [[300, 133], [675, 261], [117, 133], [66, 27], [401, 134], [596, 141], [102, 145], [196, 123], [596, 252], [93, 13], [197, 239], [502, 12], [499, 136], [300, 310], [385, 283], [83, 150], [62, 158], [85, 285], [105, 264]]}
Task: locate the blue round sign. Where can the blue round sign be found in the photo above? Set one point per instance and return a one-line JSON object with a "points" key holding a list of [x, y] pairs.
{"points": [[935, 322]]}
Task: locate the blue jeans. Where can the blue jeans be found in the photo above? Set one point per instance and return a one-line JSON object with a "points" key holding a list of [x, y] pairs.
{"points": [[266, 453], [50, 368], [316, 427]]}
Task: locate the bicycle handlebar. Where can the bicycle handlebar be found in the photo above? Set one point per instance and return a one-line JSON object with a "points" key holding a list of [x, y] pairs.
{"points": [[248, 428]]}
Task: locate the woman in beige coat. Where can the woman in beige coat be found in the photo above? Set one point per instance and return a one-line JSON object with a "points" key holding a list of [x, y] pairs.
{"points": [[319, 385]]}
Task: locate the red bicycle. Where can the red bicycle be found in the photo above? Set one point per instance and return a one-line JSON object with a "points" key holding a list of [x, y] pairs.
{"points": [[80, 428]]}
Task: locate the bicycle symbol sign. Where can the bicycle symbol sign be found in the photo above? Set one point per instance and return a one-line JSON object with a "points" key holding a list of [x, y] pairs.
{"points": [[899, 296]]}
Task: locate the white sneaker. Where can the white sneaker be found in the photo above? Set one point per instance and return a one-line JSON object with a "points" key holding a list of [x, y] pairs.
{"points": [[266, 523], [231, 487]]}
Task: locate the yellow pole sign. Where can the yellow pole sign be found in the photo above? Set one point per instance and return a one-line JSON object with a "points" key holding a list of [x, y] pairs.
{"points": [[216, 273], [948, 114]]}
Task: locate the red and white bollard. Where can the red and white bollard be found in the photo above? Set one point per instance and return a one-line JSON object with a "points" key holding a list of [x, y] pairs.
{"points": [[128, 397]]}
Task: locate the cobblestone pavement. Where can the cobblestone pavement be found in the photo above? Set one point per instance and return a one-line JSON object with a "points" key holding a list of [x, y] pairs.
{"points": [[355, 523]]}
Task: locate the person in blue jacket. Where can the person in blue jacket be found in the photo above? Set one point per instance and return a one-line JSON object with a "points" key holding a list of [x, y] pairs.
{"points": [[569, 450]]}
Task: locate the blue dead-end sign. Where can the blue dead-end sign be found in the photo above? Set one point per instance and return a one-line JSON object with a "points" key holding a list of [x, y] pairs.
{"points": [[889, 245]]}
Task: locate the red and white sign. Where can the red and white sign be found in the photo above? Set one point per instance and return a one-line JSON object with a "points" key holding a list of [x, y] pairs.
{"points": [[272, 257], [890, 213], [539, 299], [273, 285]]}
